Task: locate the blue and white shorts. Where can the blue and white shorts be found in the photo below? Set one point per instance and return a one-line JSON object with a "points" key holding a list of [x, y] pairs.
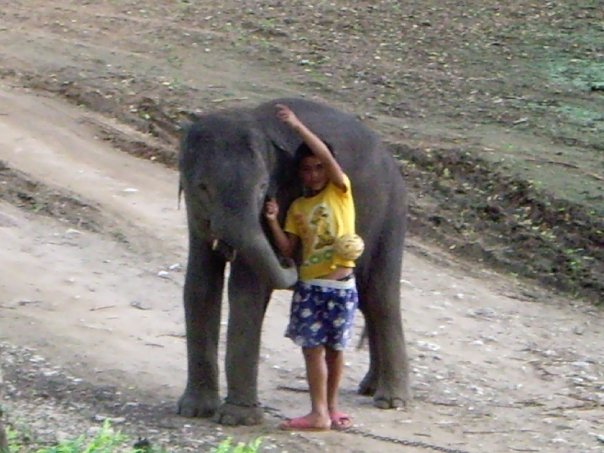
{"points": [[322, 313]]}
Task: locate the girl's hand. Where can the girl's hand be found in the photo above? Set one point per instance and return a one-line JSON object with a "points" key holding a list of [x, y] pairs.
{"points": [[285, 114], [271, 209]]}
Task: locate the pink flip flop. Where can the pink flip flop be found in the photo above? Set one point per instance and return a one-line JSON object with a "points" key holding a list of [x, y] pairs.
{"points": [[340, 421], [300, 424]]}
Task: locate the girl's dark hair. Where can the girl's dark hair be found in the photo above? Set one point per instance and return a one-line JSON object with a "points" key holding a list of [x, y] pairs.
{"points": [[304, 151]]}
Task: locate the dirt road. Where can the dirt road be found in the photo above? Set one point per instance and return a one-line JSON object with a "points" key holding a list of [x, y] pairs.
{"points": [[495, 110], [92, 243], [497, 366]]}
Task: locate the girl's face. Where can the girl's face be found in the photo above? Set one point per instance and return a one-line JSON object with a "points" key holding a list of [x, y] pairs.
{"points": [[313, 174]]}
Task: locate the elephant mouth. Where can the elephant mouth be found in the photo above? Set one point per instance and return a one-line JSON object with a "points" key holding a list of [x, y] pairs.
{"points": [[225, 250], [278, 272]]}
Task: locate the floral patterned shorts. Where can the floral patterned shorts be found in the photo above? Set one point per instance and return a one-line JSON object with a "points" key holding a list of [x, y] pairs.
{"points": [[322, 313]]}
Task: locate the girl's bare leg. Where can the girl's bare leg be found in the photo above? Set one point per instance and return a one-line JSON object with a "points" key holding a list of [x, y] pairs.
{"points": [[316, 374], [335, 368]]}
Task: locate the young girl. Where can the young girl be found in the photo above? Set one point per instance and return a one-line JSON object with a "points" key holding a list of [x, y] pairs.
{"points": [[325, 298]]}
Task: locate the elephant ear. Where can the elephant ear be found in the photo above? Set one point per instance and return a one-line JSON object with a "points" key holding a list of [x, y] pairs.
{"points": [[270, 139], [281, 168], [283, 139], [283, 149], [285, 184]]}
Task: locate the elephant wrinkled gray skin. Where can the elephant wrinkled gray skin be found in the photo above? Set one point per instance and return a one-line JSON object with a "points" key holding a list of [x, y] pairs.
{"points": [[230, 162]]}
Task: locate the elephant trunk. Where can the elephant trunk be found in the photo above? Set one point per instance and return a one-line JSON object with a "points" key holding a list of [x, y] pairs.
{"points": [[261, 257], [234, 242], [235, 232]]}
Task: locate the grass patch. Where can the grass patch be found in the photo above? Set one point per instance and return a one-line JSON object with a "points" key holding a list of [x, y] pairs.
{"points": [[226, 446], [108, 440], [578, 73]]}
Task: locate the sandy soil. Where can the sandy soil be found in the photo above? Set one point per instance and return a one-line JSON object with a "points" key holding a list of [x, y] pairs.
{"points": [[93, 251], [495, 110], [493, 368]]}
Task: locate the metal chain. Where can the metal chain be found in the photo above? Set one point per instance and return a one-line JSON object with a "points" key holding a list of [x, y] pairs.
{"points": [[393, 440]]}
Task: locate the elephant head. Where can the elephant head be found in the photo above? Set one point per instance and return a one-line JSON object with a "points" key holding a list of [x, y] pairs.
{"points": [[228, 169]]}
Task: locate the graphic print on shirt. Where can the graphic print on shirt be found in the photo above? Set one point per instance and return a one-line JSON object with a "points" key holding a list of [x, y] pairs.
{"points": [[321, 221], [317, 234]]}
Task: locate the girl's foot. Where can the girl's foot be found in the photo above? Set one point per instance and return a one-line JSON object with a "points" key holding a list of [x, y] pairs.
{"points": [[306, 423], [340, 421]]}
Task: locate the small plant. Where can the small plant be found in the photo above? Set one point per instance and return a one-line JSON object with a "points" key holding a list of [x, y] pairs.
{"points": [[105, 441], [16, 439], [226, 446], [108, 440]]}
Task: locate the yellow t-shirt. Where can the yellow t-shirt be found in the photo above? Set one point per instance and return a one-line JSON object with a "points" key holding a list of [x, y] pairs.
{"points": [[318, 221]]}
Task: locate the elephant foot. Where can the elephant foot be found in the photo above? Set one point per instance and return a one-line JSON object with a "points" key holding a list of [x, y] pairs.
{"points": [[368, 385], [197, 404], [382, 402], [233, 415], [392, 398]]}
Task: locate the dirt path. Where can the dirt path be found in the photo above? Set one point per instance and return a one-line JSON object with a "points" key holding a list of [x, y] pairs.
{"points": [[496, 366], [93, 245], [495, 110]]}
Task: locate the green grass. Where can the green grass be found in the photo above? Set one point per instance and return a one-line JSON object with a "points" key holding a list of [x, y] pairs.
{"points": [[226, 446], [108, 440]]}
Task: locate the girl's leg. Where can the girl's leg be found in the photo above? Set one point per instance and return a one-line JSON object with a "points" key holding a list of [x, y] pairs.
{"points": [[316, 373], [343, 309], [335, 367]]}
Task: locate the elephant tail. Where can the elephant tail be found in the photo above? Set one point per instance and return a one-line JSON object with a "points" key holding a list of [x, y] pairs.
{"points": [[363, 339], [180, 189]]}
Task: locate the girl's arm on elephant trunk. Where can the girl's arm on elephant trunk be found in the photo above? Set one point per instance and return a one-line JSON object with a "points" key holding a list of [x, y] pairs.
{"points": [[286, 242]]}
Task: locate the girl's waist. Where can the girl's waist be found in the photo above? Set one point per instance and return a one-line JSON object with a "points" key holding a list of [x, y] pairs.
{"points": [[348, 283]]}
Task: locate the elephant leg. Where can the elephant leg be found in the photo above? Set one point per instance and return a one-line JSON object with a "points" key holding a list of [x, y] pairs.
{"points": [[248, 298], [202, 299], [368, 384], [379, 291]]}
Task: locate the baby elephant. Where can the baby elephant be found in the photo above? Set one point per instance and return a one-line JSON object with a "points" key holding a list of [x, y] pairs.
{"points": [[230, 163]]}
